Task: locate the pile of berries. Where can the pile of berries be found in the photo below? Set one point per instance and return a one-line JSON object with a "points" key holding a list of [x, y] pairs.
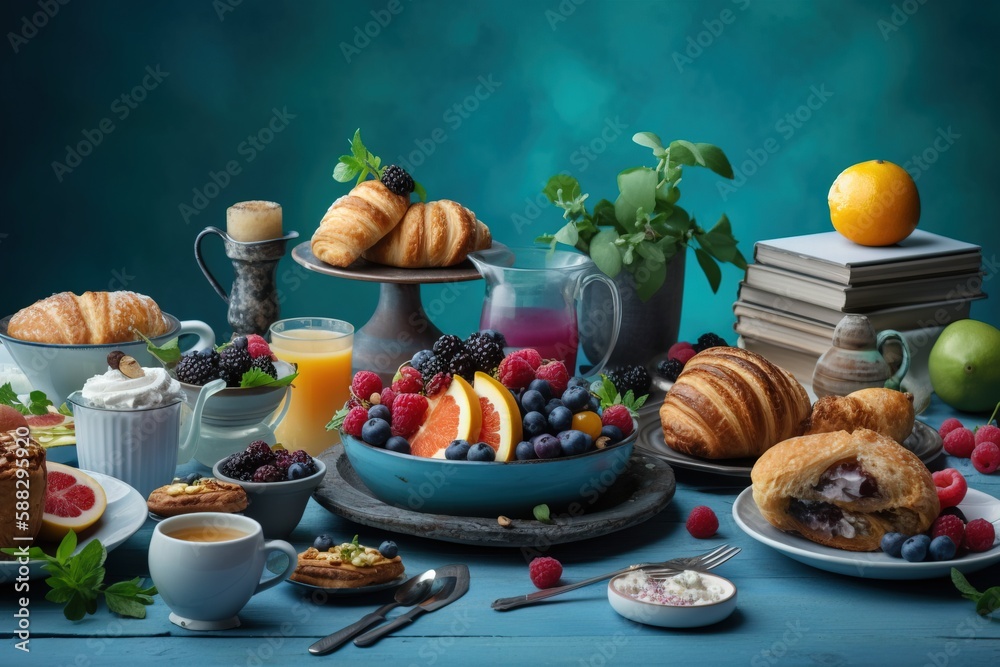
{"points": [[981, 445], [679, 354], [229, 362], [386, 416], [632, 378], [260, 463], [481, 351]]}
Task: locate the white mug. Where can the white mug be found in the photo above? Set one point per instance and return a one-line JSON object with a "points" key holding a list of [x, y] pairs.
{"points": [[206, 566]]}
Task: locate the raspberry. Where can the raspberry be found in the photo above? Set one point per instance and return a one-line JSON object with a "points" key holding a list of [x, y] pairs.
{"points": [[440, 382], [949, 525], [354, 420], [530, 355], [387, 398], [408, 381], [516, 372], [684, 356], [545, 571], [951, 487], [979, 535], [949, 425], [269, 473], [677, 348], [988, 433], [986, 457], [960, 442], [702, 522], [366, 383], [617, 415], [408, 414], [555, 374], [258, 347]]}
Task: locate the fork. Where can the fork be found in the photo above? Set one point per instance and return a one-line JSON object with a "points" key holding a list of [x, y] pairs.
{"points": [[703, 562]]}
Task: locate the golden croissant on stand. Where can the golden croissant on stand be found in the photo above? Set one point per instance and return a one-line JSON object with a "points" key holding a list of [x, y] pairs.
{"points": [[435, 234], [93, 318], [884, 411], [731, 403], [356, 221]]}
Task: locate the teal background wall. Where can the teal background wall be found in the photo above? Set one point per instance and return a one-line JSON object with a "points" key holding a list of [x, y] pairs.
{"points": [[566, 85]]}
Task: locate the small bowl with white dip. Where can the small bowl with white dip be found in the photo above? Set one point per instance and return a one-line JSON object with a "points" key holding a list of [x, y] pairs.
{"points": [[687, 599]]}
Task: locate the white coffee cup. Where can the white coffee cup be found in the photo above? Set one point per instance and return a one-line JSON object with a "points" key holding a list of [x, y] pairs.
{"points": [[206, 566]]}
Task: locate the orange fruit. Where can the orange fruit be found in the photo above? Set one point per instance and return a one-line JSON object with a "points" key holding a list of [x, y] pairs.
{"points": [[453, 415], [874, 203], [501, 421], [73, 501], [588, 422]]}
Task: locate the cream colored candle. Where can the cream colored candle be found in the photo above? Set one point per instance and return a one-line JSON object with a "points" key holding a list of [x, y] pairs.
{"points": [[254, 221]]}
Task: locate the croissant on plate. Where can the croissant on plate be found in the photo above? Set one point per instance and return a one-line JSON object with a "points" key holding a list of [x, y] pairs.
{"points": [[435, 234], [356, 221], [93, 318], [884, 411], [731, 403]]}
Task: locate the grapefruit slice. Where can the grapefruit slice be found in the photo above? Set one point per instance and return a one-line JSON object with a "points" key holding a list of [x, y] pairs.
{"points": [[453, 415], [52, 429], [501, 423], [73, 501]]}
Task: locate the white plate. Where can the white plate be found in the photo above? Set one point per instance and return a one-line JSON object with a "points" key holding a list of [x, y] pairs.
{"points": [[125, 514], [869, 565]]}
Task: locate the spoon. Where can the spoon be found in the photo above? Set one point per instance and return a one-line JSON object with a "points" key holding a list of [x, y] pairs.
{"points": [[413, 590]]}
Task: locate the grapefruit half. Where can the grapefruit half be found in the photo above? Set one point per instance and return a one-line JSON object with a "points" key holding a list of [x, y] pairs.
{"points": [[73, 501], [453, 415], [501, 422]]}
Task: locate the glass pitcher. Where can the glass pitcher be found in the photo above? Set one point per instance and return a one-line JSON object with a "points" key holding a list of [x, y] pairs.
{"points": [[532, 298]]}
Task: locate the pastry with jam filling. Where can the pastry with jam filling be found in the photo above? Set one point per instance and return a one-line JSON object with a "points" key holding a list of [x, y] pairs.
{"points": [[844, 490]]}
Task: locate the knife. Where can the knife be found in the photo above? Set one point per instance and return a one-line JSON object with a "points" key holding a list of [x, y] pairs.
{"points": [[455, 583]]}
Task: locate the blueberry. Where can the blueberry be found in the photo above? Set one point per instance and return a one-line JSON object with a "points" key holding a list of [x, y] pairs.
{"points": [[388, 549], [542, 387], [533, 400], [534, 423], [420, 358], [525, 451], [552, 405], [191, 478], [206, 353], [398, 443], [892, 543], [379, 412], [573, 442], [942, 548], [546, 446], [240, 342], [482, 452], [577, 381], [299, 470], [915, 548], [458, 450], [323, 542], [612, 432], [376, 431], [576, 398], [560, 419], [594, 405]]}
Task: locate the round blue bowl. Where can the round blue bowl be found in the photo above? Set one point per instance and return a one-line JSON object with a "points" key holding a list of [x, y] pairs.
{"points": [[569, 484]]}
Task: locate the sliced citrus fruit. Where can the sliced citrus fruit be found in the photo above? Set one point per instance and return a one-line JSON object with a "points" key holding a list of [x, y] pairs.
{"points": [[73, 501], [453, 415], [501, 423]]}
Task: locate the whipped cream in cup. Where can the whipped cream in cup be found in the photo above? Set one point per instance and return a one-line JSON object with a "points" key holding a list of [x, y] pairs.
{"points": [[115, 390]]}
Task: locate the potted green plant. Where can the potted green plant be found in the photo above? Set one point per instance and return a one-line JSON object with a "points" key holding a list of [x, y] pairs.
{"points": [[640, 240]]}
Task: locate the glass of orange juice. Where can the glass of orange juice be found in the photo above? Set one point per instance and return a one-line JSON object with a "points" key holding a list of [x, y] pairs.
{"points": [[321, 347]]}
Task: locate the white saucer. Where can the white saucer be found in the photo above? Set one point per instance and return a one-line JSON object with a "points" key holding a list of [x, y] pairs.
{"points": [[202, 626]]}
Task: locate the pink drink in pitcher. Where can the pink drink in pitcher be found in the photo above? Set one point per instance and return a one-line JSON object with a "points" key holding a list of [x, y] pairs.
{"points": [[553, 333]]}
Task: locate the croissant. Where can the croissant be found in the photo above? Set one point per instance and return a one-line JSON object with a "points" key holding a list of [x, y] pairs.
{"points": [[93, 318], [844, 490], [438, 233], [356, 221], [731, 403], [884, 411]]}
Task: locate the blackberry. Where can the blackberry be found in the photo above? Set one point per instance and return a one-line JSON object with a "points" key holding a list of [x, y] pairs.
{"points": [[266, 365], [464, 365], [198, 368], [447, 346], [632, 377], [486, 352], [495, 336], [708, 340], [268, 473], [670, 369], [237, 467], [396, 179], [234, 361]]}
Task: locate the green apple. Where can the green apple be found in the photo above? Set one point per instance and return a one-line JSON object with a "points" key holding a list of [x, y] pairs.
{"points": [[964, 366]]}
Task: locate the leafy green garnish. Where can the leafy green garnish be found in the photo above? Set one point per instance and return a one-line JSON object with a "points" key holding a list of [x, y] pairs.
{"points": [[255, 377], [362, 163], [338, 419], [986, 602], [608, 395], [541, 513], [38, 402], [76, 581], [169, 353], [349, 551]]}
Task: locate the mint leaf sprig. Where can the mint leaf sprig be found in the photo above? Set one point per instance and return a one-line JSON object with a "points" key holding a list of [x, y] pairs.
{"points": [[986, 602], [362, 163], [609, 395], [38, 402], [77, 581]]}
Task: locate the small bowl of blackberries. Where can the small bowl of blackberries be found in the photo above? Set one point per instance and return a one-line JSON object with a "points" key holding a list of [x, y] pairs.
{"points": [[278, 484]]}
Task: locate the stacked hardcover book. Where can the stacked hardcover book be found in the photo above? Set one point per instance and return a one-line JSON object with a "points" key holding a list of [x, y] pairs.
{"points": [[799, 288]]}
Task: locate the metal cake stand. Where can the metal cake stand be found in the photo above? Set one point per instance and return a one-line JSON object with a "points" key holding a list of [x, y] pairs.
{"points": [[400, 326]]}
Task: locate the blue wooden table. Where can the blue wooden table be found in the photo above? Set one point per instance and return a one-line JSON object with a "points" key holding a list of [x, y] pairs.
{"points": [[788, 614]]}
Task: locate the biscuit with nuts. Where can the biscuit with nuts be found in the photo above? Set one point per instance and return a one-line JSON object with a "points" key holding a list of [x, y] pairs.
{"points": [[203, 495]]}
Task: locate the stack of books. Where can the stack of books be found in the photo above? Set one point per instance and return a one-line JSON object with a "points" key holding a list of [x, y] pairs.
{"points": [[800, 287]]}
